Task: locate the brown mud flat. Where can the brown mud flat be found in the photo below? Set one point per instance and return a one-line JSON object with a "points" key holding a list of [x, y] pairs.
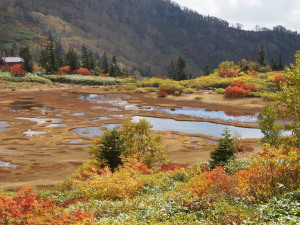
{"points": [[47, 158]]}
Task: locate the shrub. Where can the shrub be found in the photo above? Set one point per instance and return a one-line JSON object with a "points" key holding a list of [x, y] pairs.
{"points": [[64, 70], [82, 71], [5, 68], [162, 94], [236, 89], [17, 70], [26, 207], [84, 80], [171, 88], [215, 182], [122, 184], [271, 173], [228, 73]]}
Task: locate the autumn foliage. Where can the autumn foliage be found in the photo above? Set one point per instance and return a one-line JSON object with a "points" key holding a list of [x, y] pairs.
{"points": [[5, 68], [64, 70], [18, 70], [26, 207], [236, 89], [82, 71], [271, 173]]}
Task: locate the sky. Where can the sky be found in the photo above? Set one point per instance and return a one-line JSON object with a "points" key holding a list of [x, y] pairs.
{"points": [[249, 13]]}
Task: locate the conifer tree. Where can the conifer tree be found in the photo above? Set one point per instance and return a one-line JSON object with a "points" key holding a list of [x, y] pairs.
{"points": [[261, 56], [104, 64], [85, 57], [109, 148], [177, 69], [280, 64], [206, 70], [51, 64], [72, 59], [26, 55], [224, 151]]}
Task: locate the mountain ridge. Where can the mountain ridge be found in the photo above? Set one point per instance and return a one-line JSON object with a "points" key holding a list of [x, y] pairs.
{"points": [[145, 35]]}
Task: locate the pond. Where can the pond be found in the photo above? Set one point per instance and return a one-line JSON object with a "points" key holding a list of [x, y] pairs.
{"points": [[195, 127], [118, 100]]}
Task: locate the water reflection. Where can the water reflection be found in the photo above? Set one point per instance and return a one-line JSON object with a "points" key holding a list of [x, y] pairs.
{"points": [[3, 125], [8, 165], [30, 133], [203, 113], [117, 100]]}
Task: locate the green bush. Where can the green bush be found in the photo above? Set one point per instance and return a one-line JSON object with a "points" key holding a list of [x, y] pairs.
{"points": [[6, 76], [85, 80]]}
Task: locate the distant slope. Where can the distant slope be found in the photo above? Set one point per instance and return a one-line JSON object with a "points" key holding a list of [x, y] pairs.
{"points": [[144, 34]]}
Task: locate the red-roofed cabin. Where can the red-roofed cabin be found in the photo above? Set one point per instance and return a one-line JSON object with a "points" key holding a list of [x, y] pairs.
{"points": [[10, 61]]}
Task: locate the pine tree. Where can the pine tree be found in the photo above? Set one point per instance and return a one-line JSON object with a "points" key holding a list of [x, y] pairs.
{"points": [[181, 69], [274, 65], [51, 64], [92, 61], [224, 151], [72, 59], [206, 70], [280, 64], [109, 148], [84, 57], [261, 56], [114, 70], [104, 64], [177, 69], [26, 55]]}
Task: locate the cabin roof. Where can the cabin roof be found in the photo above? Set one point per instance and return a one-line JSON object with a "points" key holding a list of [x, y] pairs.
{"points": [[12, 59]]}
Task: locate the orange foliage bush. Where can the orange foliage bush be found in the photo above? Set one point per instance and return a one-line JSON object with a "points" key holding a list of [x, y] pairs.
{"points": [[272, 172], [37, 68], [26, 207], [252, 72], [82, 71], [279, 78], [228, 73], [236, 89], [18, 70], [212, 182], [64, 70]]}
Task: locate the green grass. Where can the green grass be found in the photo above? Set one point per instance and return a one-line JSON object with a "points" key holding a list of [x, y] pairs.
{"points": [[6, 76]]}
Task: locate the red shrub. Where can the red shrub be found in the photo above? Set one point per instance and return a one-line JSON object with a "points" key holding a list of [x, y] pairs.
{"points": [[5, 68], [18, 70], [236, 89], [82, 71], [26, 207], [64, 70], [162, 94]]}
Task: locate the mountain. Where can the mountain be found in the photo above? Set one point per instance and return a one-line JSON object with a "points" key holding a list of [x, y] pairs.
{"points": [[145, 35]]}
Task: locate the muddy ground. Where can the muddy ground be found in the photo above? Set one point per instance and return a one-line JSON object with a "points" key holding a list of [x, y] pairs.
{"points": [[47, 158]]}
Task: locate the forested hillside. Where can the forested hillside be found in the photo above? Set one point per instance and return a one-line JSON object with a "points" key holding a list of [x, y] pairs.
{"points": [[144, 35]]}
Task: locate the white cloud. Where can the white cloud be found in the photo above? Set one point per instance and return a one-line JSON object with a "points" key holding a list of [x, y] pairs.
{"points": [[264, 13]]}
